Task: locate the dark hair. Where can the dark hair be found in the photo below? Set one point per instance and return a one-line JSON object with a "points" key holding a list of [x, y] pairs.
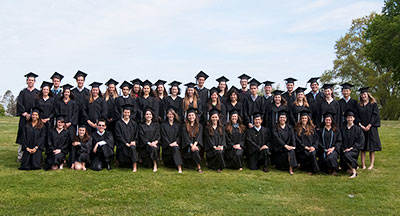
{"points": [[229, 126], [133, 93], [283, 100], [40, 95], [192, 131], [85, 138], [333, 125], [71, 95], [210, 128], [309, 130], [165, 94], [39, 123], [179, 90]]}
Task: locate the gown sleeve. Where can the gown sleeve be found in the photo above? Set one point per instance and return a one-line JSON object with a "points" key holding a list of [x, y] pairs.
{"points": [[119, 138]]}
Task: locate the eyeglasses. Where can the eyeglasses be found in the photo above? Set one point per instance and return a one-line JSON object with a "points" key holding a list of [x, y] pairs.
{"points": [[101, 125]]}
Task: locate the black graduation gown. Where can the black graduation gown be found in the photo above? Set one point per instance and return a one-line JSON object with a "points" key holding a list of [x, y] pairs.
{"points": [[81, 152], [344, 106], [111, 114], [369, 114], [215, 159], [32, 137], [334, 108], [282, 137], [238, 106], [56, 141], [104, 153], [267, 106], [307, 160], [177, 104], [315, 105], [351, 138], [126, 133], [294, 114], [120, 101], [48, 110], [328, 139], [251, 106], [203, 95], [234, 157], [273, 115], [222, 115], [200, 114], [190, 159], [169, 134], [290, 99], [162, 109], [70, 111], [147, 102], [149, 133], [81, 97], [254, 141], [243, 95], [25, 102], [94, 111]]}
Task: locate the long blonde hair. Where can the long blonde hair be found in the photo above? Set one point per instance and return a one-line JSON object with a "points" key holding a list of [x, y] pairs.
{"points": [[108, 94], [305, 102], [370, 97], [186, 100]]}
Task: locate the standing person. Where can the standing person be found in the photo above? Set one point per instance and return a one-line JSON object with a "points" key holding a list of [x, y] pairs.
{"points": [[298, 105], [214, 102], [290, 94], [25, 102], [95, 108], [223, 88], [215, 142], [57, 145], [235, 141], [329, 104], [46, 102], [136, 88], [33, 141], [192, 139], [268, 99], [147, 99], [103, 147], [81, 94], [174, 99], [126, 139], [161, 95], [254, 103], [346, 102], [110, 96], [56, 78], [284, 144], [149, 138], [368, 115], [244, 92], [258, 142], [81, 148], [202, 91], [314, 99], [191, 100], [126, 99], [306, 143], [234, 103], [67, 107], [278, 104], [353, 140], [171, 140], [329, 145]]}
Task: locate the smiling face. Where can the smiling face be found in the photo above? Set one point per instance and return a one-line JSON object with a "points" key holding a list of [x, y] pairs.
{"points": [[214, 118], [190, 92], [214, 97], [174, 90], [101, 126], [81, 132], [268, 89], [148, 116], [253, 90], [364, 96], [328, 121], [277, 99], [127, 113], [300, 96], [314, 87], [243, 83], [67, 93], [170, 115], [45, 91], [35, 116], [234, 118], [282, 119], [30, 81], [160, 89], [289, 87], [233, 97], [350, 119], [136, 88], [191, 117], [304, 120], [56, 83], [125, 90], [257, 121], [95, 92], [346, 93], [146, 90], [222, 86], [111, 88], [60, 124], [328, 92], [80, 81], [201, 81]]}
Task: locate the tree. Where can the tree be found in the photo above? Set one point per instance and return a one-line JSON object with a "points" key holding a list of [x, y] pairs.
{"points": [[9, 103], [352, 65]]}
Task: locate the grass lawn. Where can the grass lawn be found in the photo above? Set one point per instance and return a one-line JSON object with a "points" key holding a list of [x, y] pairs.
{"points": [[121, 192]]}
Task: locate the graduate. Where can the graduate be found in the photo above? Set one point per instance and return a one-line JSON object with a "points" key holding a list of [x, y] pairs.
{"points": [[278, 104], [329, 145], [102, 147], [57, 145], [81, 94], [136, 88], [95, 108], [80, 150], [110, 96], [46, 102], [25, 102], [314, 99], [171, 140], [149, 138], [192, 140], [290, 94], [214, 102], [368, 115], [126, 139], [329, 104], [258, 142], [33, 142], [298, 105], [268, 99], [244, 91], [346, 103], [215, 142], [161, 95], [191, 100], [352, 143], [67, 107], [254, 104], [235, 132], [202, 91], [147, 99], [284, 144], [223, 88], [306, 143], [234, 103], [126, 99], [56, 79], [174, 99]]}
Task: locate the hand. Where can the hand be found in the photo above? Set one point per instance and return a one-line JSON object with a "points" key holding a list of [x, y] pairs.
{"points": [[311, 149], [289, 148], [95, 148], [68, 124], [237, 146], [133, 143], [330, 150], [57, 151], [28, 116], [349, 149], [110, 119], [127, 144], [75, 143], [91, 124], [368, 127], [251, 125], [194, 148], [263, 147]]}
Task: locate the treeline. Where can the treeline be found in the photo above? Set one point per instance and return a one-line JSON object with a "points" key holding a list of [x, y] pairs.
{"points": [[8, 104]]}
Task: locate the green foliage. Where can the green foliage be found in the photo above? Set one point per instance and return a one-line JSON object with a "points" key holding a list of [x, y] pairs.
{"points": [[2, 111]]}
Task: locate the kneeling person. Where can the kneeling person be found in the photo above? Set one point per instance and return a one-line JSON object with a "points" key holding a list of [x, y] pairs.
{"points": [[103, 147]]}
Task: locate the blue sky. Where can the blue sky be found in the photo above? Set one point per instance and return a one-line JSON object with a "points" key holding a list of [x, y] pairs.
{"points": [[172, 40]]}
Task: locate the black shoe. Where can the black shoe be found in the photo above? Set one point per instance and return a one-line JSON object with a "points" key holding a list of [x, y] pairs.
{"points": [[108, 166]]}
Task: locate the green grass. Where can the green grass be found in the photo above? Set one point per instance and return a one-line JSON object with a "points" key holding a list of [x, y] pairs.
{"points": [[120, 192]]}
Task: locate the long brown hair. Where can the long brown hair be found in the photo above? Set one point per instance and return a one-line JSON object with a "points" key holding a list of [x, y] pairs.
{"points": [[85, 138], [108, 94], [309, 130], [91, 99], [211, 129], [333, 124], [305, 103], [136, 95], [192, 131], [176, 117], [218, 106], [370, 97], [39, 123], [229, 126], [186, 100], [283, 101], [165, 93]]}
